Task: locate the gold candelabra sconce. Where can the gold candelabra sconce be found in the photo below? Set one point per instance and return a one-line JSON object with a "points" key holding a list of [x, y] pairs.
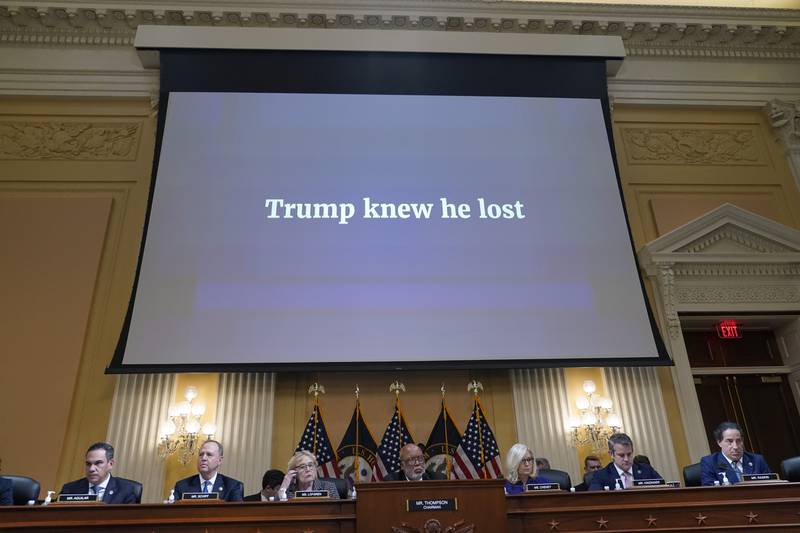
{"points": [[596, 421], [185, 431]]}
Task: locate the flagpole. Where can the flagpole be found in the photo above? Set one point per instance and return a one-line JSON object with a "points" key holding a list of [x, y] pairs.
{"points": [[446, 443], [358, 416], [316, 389], [475, 387], [396, 387]]}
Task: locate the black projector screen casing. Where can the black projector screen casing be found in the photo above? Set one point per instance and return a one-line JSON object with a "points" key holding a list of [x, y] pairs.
{"points": [[377, 73]]}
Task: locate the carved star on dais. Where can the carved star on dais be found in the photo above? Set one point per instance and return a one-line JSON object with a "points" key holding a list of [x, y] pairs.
{"points": [[752, 518], [701, 519], [602, 523], [553, 525], [651, 521]]}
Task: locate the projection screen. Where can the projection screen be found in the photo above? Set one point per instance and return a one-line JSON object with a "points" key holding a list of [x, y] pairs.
{"points": [[377, 212]]}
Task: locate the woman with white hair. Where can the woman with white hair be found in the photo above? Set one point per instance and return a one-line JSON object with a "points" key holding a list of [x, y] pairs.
{"points": [[301, 475], [521, 469]]}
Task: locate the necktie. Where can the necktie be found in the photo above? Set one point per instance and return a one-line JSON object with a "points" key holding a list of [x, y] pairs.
{"points": [[95, 489], [737, 465], [207, 486], [627, 482]]}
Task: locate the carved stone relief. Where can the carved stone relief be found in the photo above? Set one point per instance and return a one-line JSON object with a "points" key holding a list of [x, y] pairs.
{"points": [[97, 141], [682, 146]]}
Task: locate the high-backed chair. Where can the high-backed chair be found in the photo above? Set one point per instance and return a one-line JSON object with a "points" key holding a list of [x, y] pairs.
{"points": [[691, 475], [557, 476], [341, 486], [23, 489], [790, 469], [137, 488]]}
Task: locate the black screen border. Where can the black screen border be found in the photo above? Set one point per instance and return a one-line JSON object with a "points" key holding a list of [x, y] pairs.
{"points": [[406, 73]]}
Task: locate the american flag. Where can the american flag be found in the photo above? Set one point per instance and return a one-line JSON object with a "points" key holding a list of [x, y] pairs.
{"points": [[478, 455], [315, 440], [395, 437]]}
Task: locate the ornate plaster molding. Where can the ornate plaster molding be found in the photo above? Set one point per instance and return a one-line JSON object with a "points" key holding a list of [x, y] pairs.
{"points": [[764, 294], [748, 240], [646, 31], [691, 146], [96, 141], [785, 120]]}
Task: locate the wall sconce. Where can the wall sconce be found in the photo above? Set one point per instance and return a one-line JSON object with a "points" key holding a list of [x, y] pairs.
{"points": [[596, 422], [182, 433]]}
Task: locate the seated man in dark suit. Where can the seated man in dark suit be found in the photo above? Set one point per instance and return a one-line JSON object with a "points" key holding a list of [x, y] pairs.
{"points": [[621, 469], [208, 479], [269, 487], [109, 489], [6, 492], [412, 466], [731, 460], [591, 464]]}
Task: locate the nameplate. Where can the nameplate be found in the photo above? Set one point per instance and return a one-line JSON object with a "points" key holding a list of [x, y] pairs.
{"points": [[311, 494], [759, 477], [199, 496], [77, 498], [441, 504], [542, 486], [674, 484], [648, 482]]}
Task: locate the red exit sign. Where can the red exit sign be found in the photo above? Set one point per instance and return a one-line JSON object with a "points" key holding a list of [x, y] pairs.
{"points": [[728, 329]]}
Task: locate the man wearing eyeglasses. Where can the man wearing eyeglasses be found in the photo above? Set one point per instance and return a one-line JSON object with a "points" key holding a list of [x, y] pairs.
{"points": [[412, 466], [208, 478]]}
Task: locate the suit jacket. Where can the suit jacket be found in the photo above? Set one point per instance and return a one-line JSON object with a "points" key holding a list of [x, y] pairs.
{"points": [[6, 492], [426, 476], [319, 484], [229, 489], [253, 497], [118, 490], [607, 477], [712, 466]]}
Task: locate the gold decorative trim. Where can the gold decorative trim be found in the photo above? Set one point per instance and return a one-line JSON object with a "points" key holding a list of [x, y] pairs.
{"points": [[690, 146], [756, 34], [94, 141]]}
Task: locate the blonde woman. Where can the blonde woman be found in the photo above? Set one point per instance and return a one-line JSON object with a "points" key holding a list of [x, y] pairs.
{"points": [[521, 469], [302, 475]]}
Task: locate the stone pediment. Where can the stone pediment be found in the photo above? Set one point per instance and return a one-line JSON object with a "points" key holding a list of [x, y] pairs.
{"points": [[727, 234]]}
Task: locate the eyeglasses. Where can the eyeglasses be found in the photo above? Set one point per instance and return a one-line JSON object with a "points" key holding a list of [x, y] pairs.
{"points": [[527, 460], [414, 460], [306, 466]]}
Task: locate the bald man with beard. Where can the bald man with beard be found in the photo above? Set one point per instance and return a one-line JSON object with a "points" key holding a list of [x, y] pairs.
{"points": [[412, 466]]}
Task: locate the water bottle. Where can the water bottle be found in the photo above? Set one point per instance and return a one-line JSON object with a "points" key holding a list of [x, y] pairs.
{"points": [[171, 498], [725, 479], [49, 497], [353, 493]]}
